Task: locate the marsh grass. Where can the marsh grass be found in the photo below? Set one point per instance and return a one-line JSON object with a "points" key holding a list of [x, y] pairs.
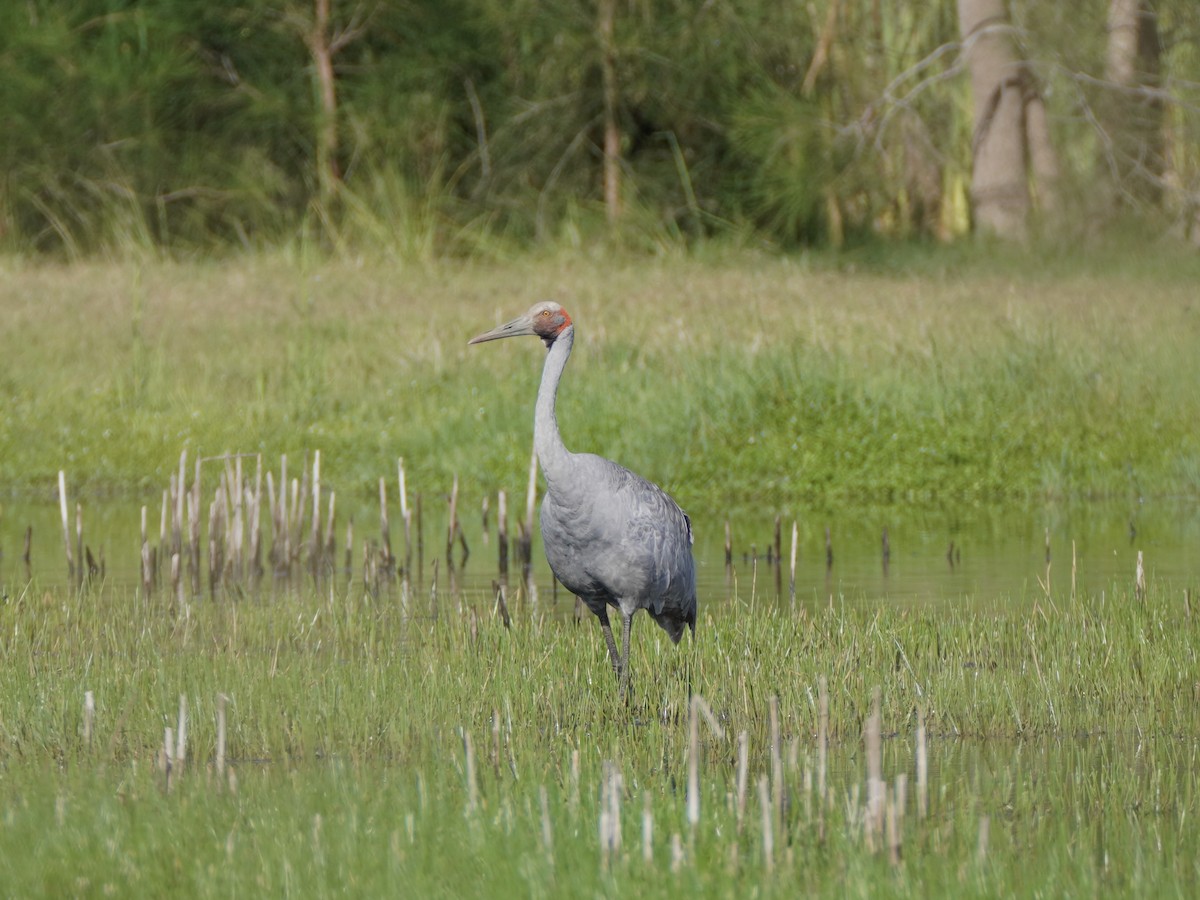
{"points": [[1062, 727], [1070, 725], [729, 380]]}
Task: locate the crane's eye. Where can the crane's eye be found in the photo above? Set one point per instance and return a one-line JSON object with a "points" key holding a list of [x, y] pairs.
{"points": [[545, 313]]}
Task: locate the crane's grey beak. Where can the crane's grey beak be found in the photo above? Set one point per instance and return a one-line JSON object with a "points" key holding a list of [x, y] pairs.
{"points": [[518, 326]]}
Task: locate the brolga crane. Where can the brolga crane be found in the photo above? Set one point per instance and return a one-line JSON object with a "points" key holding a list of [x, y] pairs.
{"points": [[611, 537]]}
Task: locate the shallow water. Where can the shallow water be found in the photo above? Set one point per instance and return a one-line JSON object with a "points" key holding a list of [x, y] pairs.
{"points": [[983, 555]]}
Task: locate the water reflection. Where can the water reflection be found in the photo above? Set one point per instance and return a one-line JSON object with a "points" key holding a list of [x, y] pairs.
{"points": [[989, 556]]}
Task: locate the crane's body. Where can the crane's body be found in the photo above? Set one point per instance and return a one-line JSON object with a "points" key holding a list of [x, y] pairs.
{"points": [[611, 537]]}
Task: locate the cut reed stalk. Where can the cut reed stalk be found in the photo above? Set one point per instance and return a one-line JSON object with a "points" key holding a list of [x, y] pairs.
{"points": [[385, 530], [1139, 580], [768, 833], [405, 515], [472, 786], [181, 734], [222, 700], [89, 717], [876, 787], [314, 537], [502, 533], [66, 524], [80, 561], [147, 575], [776, 758], [792, 569], [742, 773], [922, 766], [255, 552], [328, 552]]}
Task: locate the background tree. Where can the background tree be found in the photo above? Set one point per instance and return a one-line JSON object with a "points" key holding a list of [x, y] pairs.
{"points": [[1133, 108], [480, 126], [1010, 146]]}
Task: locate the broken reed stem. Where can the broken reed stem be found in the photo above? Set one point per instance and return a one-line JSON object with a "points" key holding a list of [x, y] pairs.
{"points": [[89, 717], [647, 828], [1139, 580], [193, 509], [776, 758], [893, 830], [792, 579], [147, 575], [314, 538], [328, 543], [501, 607], [922, 766], [530, 502], [502, 533], [728, 546], [385, 530], [181, 734], [697, 708], [472, 786], [405, 516], [177, 492], [875, 783], [167, 755], [162, 550], [742, 772], [222, 699], [300, 508], [452, 522], [764, 799], [822, 736], [420, 529], [693, 783], [66, 524], [611, 786], [79, 560]]}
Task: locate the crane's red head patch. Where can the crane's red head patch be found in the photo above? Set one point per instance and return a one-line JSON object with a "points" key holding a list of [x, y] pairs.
{"points": [[549, 321]]}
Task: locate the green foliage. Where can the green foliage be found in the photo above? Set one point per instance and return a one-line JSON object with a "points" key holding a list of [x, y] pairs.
{"points": [[471, 127]]}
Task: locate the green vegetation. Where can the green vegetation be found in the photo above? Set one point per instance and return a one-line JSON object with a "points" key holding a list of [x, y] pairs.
{"points": [[746, 379], [1068, 724], [465, 127]]}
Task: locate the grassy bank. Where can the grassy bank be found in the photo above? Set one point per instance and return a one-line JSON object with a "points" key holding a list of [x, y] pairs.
{"points": [[754, 378]]}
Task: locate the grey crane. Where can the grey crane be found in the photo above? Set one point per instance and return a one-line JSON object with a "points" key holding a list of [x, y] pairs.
{"points": [[611, 537]]}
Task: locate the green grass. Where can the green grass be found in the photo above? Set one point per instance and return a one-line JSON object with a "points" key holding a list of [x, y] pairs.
{"points": [[730, 380], [1070, 724]]}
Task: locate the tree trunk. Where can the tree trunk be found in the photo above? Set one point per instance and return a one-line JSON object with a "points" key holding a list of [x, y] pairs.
{"points": [[327, 137], [1133, 113], [612, 130], [1011, 146]]}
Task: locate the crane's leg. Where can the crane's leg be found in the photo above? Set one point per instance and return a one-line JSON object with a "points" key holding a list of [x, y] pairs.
{"points": [[624, 670], [608, 639]]}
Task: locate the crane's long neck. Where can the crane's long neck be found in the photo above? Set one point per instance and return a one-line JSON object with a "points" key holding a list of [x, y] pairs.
{"points": [[552, 453]]}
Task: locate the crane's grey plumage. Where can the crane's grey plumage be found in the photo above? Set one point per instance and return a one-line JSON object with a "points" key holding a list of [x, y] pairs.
{"points": [[611, 537]]}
